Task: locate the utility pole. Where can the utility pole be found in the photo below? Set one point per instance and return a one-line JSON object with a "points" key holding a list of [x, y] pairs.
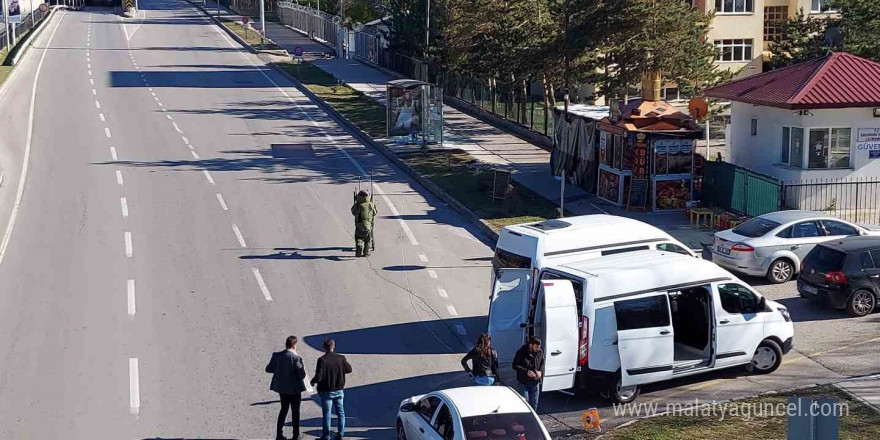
{"points": [[262, 21], [6, 22], [427, 27]]}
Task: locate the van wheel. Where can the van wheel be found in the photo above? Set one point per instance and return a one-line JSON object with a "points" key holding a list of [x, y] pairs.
{"points": [[767, 358], [780, 271], [861, 303], [620, 394]]}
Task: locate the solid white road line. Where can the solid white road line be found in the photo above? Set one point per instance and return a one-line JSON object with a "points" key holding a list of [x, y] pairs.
{"points": [[124, 204], [131, 301], [222, 202], [423, 258], [107, 132], [101, 117], [460, 329], [432, 274], [194, 154], [451, 310], [442, 293], [262, 284], [208, 176], [129, 250], [119, 178], [134, 387], [238, 235], [27, 149], [113, 153]]}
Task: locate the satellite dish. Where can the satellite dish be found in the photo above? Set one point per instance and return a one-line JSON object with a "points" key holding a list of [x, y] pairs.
{"points": [[833, 37]]}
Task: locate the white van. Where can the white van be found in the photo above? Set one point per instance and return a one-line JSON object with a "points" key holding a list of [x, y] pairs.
{"points": [[636, 318], [558, 241]]}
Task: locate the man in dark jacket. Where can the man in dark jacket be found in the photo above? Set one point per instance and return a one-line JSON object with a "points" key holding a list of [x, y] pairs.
{"points": [[529, 366], [330, 380], [287, 380]]}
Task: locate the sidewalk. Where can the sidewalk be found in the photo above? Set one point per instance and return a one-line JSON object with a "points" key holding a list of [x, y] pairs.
{"points": [[488, 144], [866, 390]]}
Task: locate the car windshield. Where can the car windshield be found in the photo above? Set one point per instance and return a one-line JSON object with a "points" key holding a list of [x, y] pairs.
{"points": [[824, 259], [513, 426], [755, 227]]}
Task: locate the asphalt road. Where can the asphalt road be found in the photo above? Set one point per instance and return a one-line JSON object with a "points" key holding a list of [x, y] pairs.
{"points": [[161, 253]]}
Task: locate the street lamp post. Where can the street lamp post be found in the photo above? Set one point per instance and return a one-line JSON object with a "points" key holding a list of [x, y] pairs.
{"points": [[262, 21]]}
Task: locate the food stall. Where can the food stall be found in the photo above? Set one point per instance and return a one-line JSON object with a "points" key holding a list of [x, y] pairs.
{"points": [[646, 156], [415, 112]]}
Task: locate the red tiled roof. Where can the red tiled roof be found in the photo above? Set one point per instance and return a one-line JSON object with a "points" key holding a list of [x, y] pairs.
{"points": [[837, 81]]}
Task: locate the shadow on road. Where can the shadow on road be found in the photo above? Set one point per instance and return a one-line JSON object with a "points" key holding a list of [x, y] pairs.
{"points": [[804, 310], [441, 336]]}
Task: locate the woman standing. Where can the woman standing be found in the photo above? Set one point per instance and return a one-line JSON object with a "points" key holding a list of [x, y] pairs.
{"points": [[484, 360]]}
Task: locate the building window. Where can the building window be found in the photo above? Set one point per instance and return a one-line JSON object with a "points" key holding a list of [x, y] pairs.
{"points": [[754, 128], [819, 6], [735, 6], [829, 148], [793, 146], [772, 16], [734, 50]]}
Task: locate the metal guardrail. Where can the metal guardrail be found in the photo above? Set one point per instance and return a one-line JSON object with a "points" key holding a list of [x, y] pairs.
{"points": [[316, 24], [27, 23]]}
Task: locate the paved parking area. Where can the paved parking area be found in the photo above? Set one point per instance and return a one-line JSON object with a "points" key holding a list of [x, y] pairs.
{"points": [[829, 346]]}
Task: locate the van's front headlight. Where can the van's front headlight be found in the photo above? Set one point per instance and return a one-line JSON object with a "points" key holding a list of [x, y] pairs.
{"points": [[784, 312]]}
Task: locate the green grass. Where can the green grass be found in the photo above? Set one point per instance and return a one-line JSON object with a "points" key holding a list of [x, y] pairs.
{"points": [[4, 70], [250, 36], [861, 423], [454, 172], [358, 108]]}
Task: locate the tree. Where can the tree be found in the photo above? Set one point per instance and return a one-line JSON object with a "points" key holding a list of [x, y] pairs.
{"points": [[802, 38], [666, 36], [860, 24]]}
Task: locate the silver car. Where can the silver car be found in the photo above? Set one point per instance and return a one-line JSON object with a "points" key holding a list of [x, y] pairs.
{"points": [[774, 244]]}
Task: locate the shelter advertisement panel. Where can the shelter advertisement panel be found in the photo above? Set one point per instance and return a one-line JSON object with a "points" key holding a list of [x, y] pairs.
{"points": [[406, 110]]}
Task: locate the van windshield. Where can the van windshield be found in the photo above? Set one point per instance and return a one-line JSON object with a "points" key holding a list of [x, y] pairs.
{"points": [[508, 260]]}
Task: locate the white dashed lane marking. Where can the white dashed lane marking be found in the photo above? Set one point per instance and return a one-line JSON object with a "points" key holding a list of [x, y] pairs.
{"points": [[222, 202], [238, 235], [451, 310], [460, 329], [129, 248], [442, 293], [262, 284], [432, 274], [123, 203], [208, 176], [131, 299], [134, 388], [423, 258], [113, 153], [119, 178]]}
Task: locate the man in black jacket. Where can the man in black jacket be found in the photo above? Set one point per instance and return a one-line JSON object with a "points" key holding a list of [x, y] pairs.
{"points": [[287, 380], [529, 366], [330, 380]]}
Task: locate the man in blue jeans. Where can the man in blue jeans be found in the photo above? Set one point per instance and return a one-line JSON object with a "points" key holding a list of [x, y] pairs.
{"points": [[330, 380], [529, 366]]}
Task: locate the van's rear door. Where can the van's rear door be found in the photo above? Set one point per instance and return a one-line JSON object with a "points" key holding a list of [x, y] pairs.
{"points": [[509, 311], [644, 338], [559, 333]]}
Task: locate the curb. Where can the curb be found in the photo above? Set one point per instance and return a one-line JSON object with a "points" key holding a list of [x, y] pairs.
{"points": [[21, 48], [856, 397], [366, 139]]}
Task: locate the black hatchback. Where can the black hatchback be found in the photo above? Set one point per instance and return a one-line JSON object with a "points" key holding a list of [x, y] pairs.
{"points": [[844, 274]]}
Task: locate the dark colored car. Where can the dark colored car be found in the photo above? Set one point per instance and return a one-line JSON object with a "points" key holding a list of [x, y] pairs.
{"points": [[844, 274]]}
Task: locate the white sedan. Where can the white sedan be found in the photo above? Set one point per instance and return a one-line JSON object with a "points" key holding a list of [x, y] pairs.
{"points": [[469, 413]]}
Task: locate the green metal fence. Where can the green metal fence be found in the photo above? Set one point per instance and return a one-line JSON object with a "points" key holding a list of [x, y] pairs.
{"points": [[740, 190]]}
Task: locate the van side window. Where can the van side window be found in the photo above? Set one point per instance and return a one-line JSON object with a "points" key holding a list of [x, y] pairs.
{"points": [[671, 247], [649, 312], [737, 299], [508, 260]]}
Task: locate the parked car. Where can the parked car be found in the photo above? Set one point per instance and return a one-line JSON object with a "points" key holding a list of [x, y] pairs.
{"points": [[469, 413], [844, 274], [773, 245]]}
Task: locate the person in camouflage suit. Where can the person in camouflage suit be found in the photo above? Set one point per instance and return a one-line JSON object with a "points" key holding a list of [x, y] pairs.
{"points": [[364, 212]]}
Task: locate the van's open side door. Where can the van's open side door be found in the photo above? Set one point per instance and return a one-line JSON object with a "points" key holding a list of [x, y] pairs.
{"points": [[645, 338], [509, 311], [559, 332]]}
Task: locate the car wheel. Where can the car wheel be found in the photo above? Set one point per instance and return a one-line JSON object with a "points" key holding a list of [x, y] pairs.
{"points": [[401, 435], [767, 357], [780, 271], [621, 394], [861, 303]]}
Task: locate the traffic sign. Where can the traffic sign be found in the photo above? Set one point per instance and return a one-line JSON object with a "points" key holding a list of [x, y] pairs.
{"points": [[245, 20], [298, 51], [44, 7]]}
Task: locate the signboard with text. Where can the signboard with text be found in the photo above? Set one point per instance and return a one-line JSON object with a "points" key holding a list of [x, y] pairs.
{"points": [[868, 139]]}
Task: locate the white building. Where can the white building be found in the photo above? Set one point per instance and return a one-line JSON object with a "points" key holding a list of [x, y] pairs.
{"points": [[814, 120]]}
